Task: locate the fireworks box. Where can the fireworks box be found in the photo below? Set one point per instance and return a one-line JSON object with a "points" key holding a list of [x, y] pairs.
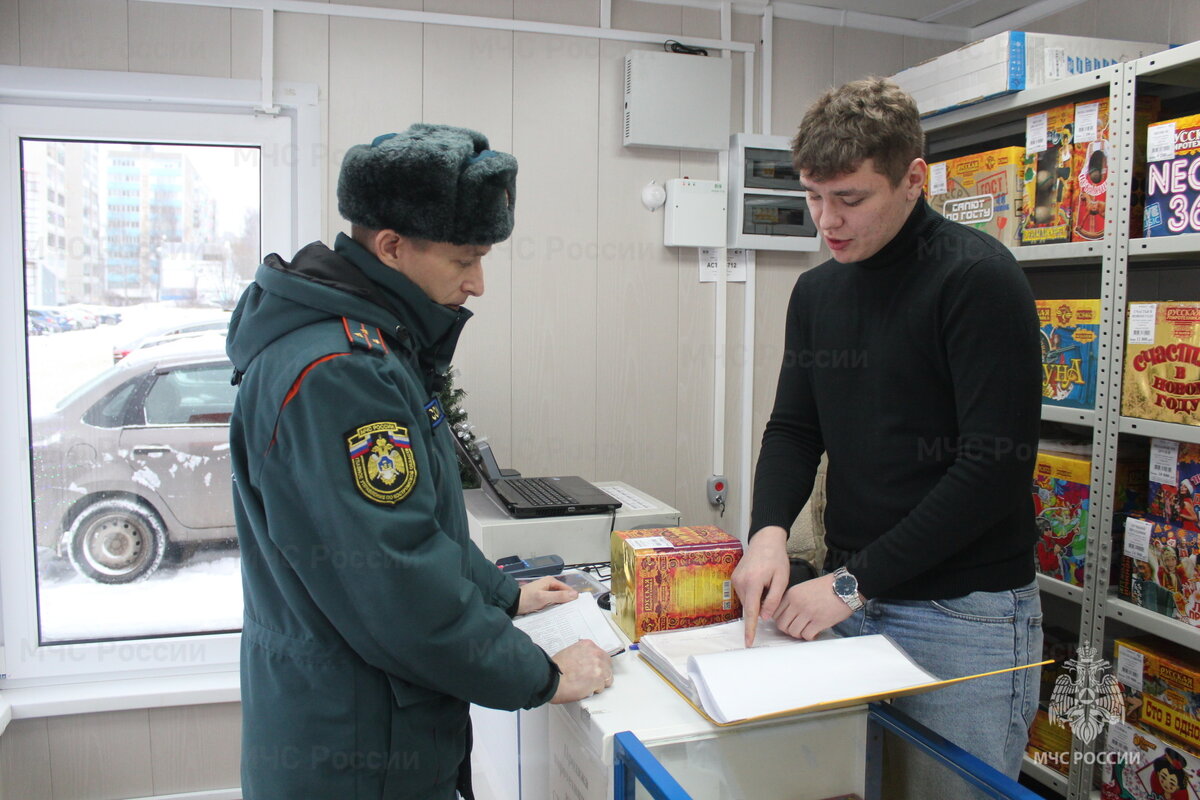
{"points": [[1139, 764], [1049, 190], [1090, 154], [1172, 177], [1049, 743], [982, 191], [1162, 688], [1174, 480], [668, 578], [1061, 488], [1070, 329], [1158, 568], [1162, 362]]}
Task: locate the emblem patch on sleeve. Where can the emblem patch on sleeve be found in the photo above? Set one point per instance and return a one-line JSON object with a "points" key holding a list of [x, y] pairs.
{"points": [[382, 461]]}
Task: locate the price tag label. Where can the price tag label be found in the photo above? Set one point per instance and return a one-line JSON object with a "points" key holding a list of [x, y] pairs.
{"points": [[650, 543], [1087, 122], [1035, 133], [1142, 318], [1164, 460], [1160, 142], [937, 178], [1137, 539], [1130, 664]]}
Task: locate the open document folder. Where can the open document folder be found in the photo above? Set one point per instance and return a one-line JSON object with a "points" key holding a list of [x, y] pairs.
{"points": [[729, 683]]}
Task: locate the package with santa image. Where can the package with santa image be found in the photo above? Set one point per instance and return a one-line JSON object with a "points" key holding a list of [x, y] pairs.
{"points": [[1061, 489], [1174, 481], [1142, 766], [1162, 362], [1158, 568], [1070, 333]]}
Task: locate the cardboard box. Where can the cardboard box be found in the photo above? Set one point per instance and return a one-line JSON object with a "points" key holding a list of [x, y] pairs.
{"points": [[1090, 156], [668, 578], [1009, 62], [1061, 489], [1049, 191], [1172, 177], [1140, 764], [1161, 683], [1070, 332], [1158, 568], [1162, 362], [983, 191], [1049, 744], [1147, 109], [1173, 483]]}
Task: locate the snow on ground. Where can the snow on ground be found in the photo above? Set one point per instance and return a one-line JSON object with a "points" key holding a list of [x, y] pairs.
{"points": [[202, 594]]}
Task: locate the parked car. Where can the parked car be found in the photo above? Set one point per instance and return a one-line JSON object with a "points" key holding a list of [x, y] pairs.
{"points": [[137, 460], [162, 333], [49, 321]]}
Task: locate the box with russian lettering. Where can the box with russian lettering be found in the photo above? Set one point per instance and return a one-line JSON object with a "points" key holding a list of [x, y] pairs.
{"points": [[1091, 150], [1135, 763], [1061, 489], [1158, 568], [668, 578], [1049, 192], [1049, 743], [1174, 483], [983, 191], [1161, 684], [1172, 177], [1162, 362], [1070, 332]]}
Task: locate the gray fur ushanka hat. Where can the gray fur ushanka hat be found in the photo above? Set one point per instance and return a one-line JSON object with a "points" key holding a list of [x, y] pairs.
{"points": [[433, 182]]}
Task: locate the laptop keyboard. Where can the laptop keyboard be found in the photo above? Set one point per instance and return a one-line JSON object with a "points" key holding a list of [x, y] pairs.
{"points": [[539, 492]]}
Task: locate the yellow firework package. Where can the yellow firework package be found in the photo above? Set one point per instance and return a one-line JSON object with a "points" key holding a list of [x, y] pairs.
{"points": [[668, 578], [1166, 681], [1070, 330], [983, 191], [1162, 362], [1049, 190]]}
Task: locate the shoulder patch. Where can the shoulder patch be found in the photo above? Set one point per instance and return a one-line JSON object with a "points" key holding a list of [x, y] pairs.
{"points": [[381, 462], [364, 337]]}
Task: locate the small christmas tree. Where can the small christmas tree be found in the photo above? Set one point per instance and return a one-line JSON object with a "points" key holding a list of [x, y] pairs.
{"points": [[452, 397]]}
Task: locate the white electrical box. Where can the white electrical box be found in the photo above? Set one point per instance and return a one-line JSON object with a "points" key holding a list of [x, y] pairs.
{"points": [[677, 101], [695, 213], [769, 208]]}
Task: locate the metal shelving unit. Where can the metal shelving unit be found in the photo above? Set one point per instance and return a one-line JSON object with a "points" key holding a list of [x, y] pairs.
{"points": [[1059, 588], [1085, 417]]}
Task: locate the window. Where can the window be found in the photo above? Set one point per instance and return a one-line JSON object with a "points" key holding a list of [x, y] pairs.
{"points": [[120, 523]]}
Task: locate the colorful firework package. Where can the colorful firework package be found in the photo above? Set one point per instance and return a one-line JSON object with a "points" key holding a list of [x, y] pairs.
{"points": [[1142, 766], [1061, 488], [1174, 483], [1049, 188], [1162, 362], [1158, 568], [1070, 329], [1172, 177], [1161, 684], [983, 191]]}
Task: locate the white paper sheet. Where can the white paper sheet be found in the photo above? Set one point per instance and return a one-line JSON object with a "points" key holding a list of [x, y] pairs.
{"points": [[561, 626]]}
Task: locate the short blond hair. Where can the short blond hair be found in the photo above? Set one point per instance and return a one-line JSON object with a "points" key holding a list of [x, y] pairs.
{"points": [[869, 118]]}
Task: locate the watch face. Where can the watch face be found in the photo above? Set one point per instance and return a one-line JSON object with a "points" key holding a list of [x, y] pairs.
{"points": [[845, 585]]}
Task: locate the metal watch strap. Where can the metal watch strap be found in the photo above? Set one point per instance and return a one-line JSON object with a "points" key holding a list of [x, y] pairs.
{"points": [[852, 597]]}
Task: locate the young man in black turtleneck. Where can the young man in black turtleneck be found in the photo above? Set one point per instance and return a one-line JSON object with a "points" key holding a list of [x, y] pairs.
{"points": [[911, 358]]}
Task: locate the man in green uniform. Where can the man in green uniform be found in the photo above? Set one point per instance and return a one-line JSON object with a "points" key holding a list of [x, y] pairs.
{"points": [[371, 620]]}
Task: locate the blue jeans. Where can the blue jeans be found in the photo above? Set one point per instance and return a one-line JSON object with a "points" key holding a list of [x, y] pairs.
{"points": [[979, 632]]}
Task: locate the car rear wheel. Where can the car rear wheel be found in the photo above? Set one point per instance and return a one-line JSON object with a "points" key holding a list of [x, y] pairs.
{"points": [[116, 541]]}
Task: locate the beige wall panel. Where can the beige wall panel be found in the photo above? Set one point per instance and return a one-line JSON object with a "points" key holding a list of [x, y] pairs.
{"points": [[1077, 21], [302, 55], [25, 761], [1143, 21], [245, 55], [563, 12], [633, 15], [406, 5], [918, 50], [694, 391], [374, 88], [637, 303], [802, 69], [79, 34], [100, 756], [1185, 21], [857, 54], [180, 40], [10, 32], [554, 255], [501, 9], [196, 747], [468, 82]]}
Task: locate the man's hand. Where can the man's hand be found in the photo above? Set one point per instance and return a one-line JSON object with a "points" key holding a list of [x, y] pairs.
{"points": [[543, 592], [763, 570], [586, 670], [810, 607]]}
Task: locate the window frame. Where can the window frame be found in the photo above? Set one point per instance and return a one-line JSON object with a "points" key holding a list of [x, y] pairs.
{"points": [[95, 105]]}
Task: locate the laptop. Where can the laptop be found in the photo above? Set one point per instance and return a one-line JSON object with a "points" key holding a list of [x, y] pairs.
{"points": [[536, 497]]}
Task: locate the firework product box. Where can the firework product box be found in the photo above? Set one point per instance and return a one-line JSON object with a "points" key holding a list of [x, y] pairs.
{"points": [[1162, 362], [1161, 685], [1172, 177], [983, 191], [1049, 191], [1139, 764], [1049, 743], [1061, 488], [1091, 150], [1158, 568], [1070, 332], [668, 578], [1173, 481]]}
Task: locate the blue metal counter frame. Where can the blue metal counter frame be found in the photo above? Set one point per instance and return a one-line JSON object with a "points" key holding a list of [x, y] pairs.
{"points": [[633, 763]]}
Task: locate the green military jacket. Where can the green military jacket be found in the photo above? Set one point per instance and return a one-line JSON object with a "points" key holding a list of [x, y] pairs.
{"points": [[371, 619]]}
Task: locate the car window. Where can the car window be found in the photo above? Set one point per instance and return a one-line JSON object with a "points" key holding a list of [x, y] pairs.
{"points": [[191, 396], [109, 411]]}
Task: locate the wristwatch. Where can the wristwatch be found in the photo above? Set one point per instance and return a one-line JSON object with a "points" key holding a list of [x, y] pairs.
{"points": [[845, 586]]}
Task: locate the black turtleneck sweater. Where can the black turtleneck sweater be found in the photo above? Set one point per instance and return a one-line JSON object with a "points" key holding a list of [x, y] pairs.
{"points": [[917, 371]]}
